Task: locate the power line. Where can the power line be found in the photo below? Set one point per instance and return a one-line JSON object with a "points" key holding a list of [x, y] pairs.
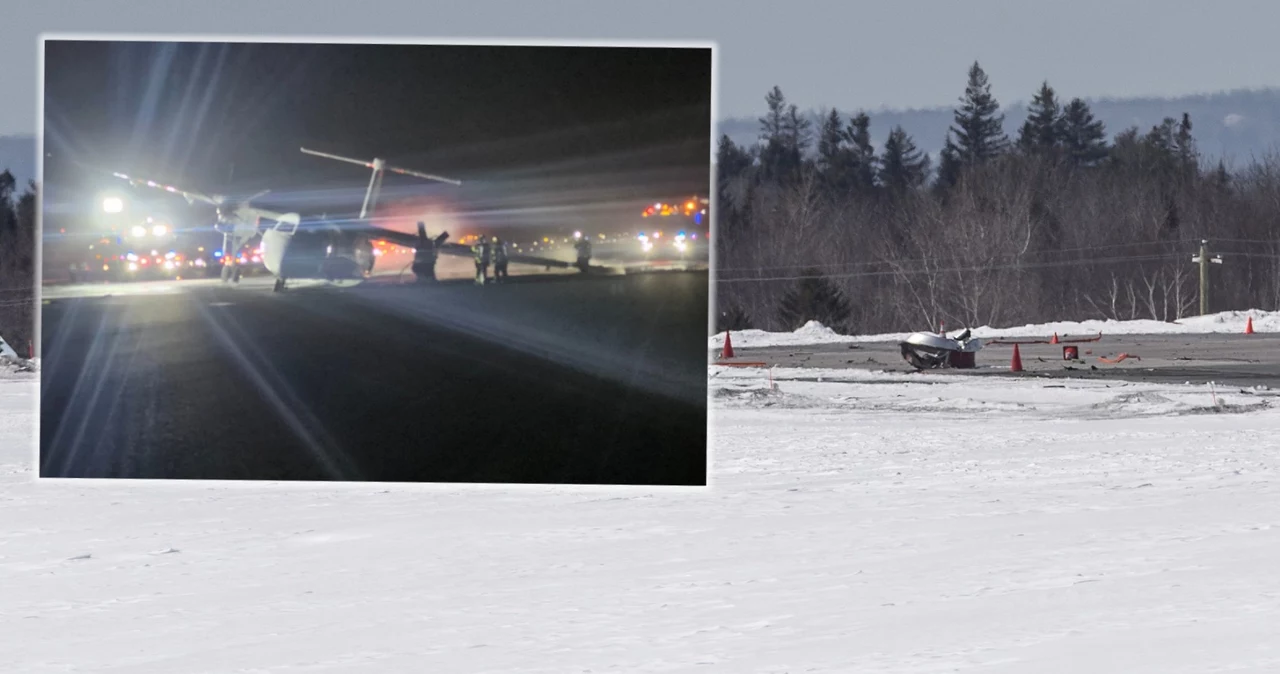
{"points": [[961, 270], [842, 265]]}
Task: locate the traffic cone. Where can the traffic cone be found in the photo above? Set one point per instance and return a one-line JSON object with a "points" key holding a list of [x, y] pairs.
{"points": [[1055, 339], [728, 346], [1248, 326], [1016, 364]]}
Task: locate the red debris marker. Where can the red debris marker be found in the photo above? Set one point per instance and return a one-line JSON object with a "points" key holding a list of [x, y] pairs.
{"points": [[1248, 327], [1015, 365], [1117, 359]]}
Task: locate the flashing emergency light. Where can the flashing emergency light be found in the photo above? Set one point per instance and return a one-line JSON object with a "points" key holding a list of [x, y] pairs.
{"points": [[577, 235], [217, 253], [159, 230], [697, 218], [138, 230], [113, 204]]}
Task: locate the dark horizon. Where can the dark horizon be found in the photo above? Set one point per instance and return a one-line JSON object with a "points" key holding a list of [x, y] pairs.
{"points": [[514, 123]]}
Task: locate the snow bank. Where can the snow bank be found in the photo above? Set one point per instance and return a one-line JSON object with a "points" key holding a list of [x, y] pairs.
{"points": [[814, 332]]}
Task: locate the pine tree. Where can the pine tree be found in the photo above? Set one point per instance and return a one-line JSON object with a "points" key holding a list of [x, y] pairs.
{"points": [[1084, 139], [979, 130], [1045, 128], [8, 219], [732, 160], [862, 154], [1184, 146], [949, 162], [799, 137], [830, 142], [733, 179], [773, 134], [814, 298], [902, 166]]}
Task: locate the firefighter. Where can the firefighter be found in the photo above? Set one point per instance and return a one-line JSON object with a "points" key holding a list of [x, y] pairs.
{"points": [[482, 261], [583, 246], [499, 259]]}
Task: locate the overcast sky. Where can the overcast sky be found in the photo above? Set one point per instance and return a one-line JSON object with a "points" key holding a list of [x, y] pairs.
{"points": [[848, 54]]}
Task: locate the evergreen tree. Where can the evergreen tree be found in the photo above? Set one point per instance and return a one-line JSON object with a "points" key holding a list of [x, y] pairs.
{"points": [[902, 166], [733, 179], [949, 162], [830, 143], [1184, 147], [979, 130], [814, 298], [732, 160], [773, 135], [799, 137], [862, 155], [1045, 128], [1084, 139], [786, 135], [8, 218]]}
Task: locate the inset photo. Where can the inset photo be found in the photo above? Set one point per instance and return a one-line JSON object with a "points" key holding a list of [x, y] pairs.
{"points": [[351, 262]]}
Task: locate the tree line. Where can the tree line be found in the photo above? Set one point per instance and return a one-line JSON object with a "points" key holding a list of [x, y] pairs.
{"points": [[1060, 222], [17, 262]]}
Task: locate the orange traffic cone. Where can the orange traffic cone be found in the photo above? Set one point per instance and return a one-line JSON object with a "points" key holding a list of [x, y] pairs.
{"points": [[728, 346], [1248, 326], [1016, 364], [1055, 339]]}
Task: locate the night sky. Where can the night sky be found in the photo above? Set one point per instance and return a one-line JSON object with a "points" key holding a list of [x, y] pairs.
{"points": [[521, 126]]}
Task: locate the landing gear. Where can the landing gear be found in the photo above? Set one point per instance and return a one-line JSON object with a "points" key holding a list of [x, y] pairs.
{"points": [[279, 285]]}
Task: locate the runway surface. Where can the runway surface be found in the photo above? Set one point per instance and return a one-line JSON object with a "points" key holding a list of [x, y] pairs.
{"points": [[544, 380], [1231, 360]]}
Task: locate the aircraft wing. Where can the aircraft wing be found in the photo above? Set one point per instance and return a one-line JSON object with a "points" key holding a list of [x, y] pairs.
{"points": [[190, 196], [414, 240]]}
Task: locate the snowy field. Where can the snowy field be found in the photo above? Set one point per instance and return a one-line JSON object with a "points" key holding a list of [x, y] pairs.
{"points": [[813, 332], [855, 524]]}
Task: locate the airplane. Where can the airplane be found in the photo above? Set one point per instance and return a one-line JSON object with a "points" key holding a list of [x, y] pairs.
{"points": [[334, 250]]}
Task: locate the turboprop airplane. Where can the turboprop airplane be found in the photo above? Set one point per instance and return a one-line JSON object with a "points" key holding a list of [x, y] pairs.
{"points": [[333, 250]]}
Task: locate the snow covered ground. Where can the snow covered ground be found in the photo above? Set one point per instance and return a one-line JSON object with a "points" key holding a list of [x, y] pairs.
{"points": [[814, 332], [854, 524]]}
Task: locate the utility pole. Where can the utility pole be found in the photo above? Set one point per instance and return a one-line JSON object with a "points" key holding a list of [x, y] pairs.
{"points": [[1203, 260]]}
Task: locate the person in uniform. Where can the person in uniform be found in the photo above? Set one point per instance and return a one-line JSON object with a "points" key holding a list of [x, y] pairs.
{"points": [[499, 259], [482, 261], [583, 246]]}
